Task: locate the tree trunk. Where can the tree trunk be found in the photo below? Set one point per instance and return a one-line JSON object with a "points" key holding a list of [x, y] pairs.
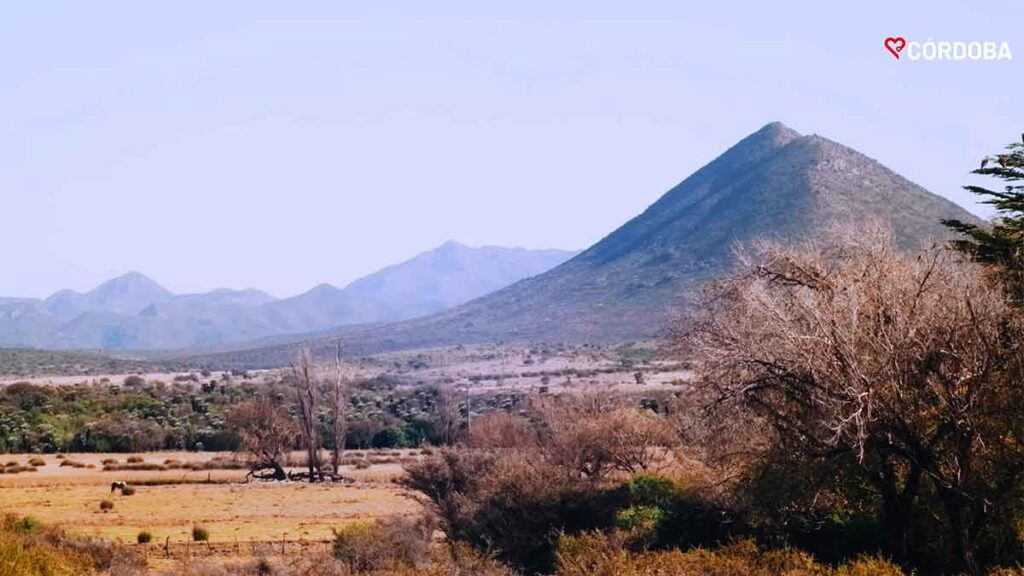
{"points": [[962, 543], [338, 412], [279, 473], [897, 505], [897, 524]]}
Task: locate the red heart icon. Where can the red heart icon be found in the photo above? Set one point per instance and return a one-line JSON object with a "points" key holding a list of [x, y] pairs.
{"points": [[895, 45]]}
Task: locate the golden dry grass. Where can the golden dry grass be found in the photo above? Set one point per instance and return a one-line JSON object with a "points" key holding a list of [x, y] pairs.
{"points": [[70, 497]]}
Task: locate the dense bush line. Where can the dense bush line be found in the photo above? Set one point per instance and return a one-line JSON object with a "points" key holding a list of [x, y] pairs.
{"points": [[187, 414]]}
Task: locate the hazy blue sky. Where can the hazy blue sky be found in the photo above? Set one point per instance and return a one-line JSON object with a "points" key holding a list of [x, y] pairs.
{"points": [[280, 145]]}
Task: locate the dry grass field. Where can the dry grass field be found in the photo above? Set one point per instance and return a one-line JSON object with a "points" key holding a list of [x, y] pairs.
{"points": [[242, 518]]}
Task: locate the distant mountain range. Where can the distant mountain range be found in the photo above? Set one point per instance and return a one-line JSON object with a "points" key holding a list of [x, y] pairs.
{"points": [[775, 183], [132, 312]]}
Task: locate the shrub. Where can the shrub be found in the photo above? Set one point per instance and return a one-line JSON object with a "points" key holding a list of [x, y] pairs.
{"points": [[25, 554], [388, 544], [147, 466], [24, 524], [390, 437], [109, 461], [651, 490], [596, 553], [72, 464], [18, 469], [200, 534], [134, 382], [639, 518], [144, 537], [106, 505], [263, 567], [136, 459], [513, 504], [37, 462], [128, 491], [29, 549]]}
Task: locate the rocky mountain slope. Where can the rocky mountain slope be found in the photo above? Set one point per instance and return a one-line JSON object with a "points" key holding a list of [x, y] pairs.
{"points": [[775, 183]]}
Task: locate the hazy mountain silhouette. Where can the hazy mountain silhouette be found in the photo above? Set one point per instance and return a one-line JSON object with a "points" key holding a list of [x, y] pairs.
{"points": [[134, 312], [774, 183], [127, 294]]}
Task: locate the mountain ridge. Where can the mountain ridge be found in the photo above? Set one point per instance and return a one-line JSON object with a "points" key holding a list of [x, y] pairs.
{"points": [[131, 311], [774, 183]]}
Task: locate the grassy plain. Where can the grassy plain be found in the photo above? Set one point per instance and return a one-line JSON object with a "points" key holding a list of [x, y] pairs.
{"points": [[242, 518]]}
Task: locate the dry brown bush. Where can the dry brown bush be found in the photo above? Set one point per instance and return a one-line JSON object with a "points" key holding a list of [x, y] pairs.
{"points": [[501, 430], [512, 502], [138, 466], [454, 560], [28, 549], [605, 555], [388, 544], [266, 430], [596, 433], [907, 365]]}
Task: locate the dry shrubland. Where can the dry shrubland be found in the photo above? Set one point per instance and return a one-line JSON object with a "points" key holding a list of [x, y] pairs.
{"points": [[30, 549], [898, 374], [849, 400]]}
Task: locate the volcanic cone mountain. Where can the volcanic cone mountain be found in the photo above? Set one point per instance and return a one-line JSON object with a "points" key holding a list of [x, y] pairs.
{"points": [[774, 183]]}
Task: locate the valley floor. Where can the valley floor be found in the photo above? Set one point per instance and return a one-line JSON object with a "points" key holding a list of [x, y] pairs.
{"points": [[244, 520]]}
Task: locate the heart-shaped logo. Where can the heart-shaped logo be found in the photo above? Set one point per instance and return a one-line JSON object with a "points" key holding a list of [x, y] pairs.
{"points": [[895, 45]]}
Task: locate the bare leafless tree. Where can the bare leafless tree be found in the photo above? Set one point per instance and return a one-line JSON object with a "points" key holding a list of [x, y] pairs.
{"points": [[446, 414], [339, 402], [304, 380], [909, 365]]}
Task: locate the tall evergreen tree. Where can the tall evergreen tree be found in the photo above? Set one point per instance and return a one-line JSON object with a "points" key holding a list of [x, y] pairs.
{"points": [[1000, 244]]}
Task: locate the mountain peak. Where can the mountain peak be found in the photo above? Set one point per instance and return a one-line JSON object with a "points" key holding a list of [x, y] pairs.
{"points": [[774, 183], [131, 278], [322, 288], [451, 245], [128, 293], [773, 135], [129, 283], [776, 127]]}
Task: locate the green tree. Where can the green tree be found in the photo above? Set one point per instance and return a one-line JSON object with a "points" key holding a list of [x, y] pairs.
{"points": [[1002, 243]]}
